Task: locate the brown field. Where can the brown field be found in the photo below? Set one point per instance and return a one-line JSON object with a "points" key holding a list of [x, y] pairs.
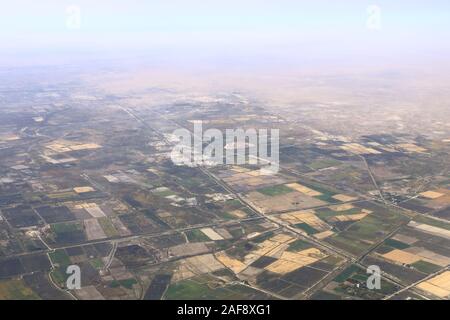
{"points": [[284, 202]]}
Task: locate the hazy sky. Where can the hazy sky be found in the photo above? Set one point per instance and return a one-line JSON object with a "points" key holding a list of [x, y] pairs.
{"points": [[315, 29]]}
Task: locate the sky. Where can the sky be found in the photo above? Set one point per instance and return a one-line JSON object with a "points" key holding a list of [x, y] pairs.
{"points": [[271, 30]]}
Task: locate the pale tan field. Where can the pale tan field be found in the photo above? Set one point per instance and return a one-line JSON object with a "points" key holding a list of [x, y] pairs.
{"points": [[305, 216], [238, 214], [302, 189], [436, 231], [342, 207], [410, 147], [284, 202], [431, 194], [203, 264], [60, 146], [344, 198], [83, 189], [244, 179], [197, 265], [359, 149], [400, 256], [349, 217], [233, 264], [323, 235], [89, 293], [436, 199], [188, 249], [438, 285], [182, 272], [9, 137], [92, 208], [211, 234], [93, 229], [291, 261], [429, 256], [405, 239]]}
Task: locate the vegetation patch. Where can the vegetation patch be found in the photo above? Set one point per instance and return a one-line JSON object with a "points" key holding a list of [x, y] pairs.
{"points": [[425, 266], [347, 273], [60, 257], [306, 227], [127, 283], [396, 244], [298, 245], [196, 236], [275, 190], [16, 290]]}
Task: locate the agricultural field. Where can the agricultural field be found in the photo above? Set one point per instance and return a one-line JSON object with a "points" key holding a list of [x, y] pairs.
{"points": [[88, 179], [351, 284]]}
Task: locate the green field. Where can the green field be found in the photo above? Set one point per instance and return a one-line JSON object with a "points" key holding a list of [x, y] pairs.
{"points": [[62, 195], [59, 276], [233, 204], [164, 193], [324, 213], [66, 227], [426, 267], [298, 245], [396, 244], [108, 227], [275, 190], [127, 283], [306, 227], [96, 263], [361, 235], [327, 197], [352, 282], [196, 236], [60, 257], [347, 273]]}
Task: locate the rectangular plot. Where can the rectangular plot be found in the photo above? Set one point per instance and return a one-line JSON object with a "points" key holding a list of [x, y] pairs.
{"points": [[55, 214], [21, 216], [93, 229]]}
